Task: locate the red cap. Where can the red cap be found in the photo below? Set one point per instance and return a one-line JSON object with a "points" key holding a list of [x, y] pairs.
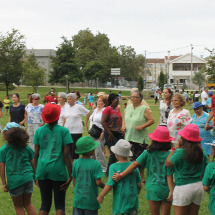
{"points": [[51, 112]]}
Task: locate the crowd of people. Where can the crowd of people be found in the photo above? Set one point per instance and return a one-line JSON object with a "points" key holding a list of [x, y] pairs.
{"points": [[48, 152]]}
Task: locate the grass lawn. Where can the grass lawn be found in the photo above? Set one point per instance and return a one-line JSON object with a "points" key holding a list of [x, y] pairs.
{"points": [[6, 205]]}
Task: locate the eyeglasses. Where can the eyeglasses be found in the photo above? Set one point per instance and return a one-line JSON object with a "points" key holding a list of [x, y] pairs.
{"points": [[134, 97], [36, 99], [198, 108]]}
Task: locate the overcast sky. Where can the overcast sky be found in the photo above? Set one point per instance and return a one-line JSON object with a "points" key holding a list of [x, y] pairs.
{"points": [[153, 25]]}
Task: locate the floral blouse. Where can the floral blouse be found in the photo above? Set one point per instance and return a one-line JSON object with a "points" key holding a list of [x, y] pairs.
{"points": [[176, 122]]}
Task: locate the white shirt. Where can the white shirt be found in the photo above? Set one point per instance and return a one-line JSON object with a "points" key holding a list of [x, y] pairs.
{"points": [[96, 118], [73, 117], [204, 97], [34, 113], [60, 120]]}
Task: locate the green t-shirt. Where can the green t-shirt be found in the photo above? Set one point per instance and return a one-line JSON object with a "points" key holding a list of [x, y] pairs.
{"points": [[86, 172], [18, 167], [156, 185], [134, 118], [209, 181], [51, 164], [125, 193], [185, 172]]}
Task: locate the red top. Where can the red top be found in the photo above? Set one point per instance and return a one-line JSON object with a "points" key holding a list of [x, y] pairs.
{"points": [[213, 105], [51, 99]]}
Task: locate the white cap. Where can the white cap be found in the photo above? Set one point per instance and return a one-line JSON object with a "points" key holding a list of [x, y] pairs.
{"points": [[122, 148]]}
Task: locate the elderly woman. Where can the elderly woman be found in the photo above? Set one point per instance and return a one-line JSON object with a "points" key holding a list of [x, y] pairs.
{"points": [[96, 118], [63, 105], [72, 119], [178, 117], [200, 118], [78, 96], [137, 119], [112, 123], [33, 113], [165, 106]]}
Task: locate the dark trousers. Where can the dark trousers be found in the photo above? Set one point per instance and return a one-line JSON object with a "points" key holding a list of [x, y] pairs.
{"points": [[46, 188], [75, 138], [205, 108], [112, 158]]}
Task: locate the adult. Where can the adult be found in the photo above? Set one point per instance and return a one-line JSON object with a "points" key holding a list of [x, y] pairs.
{"points": [[156, 96], [189, 162], [33, 113], [50, 97], [208, 103], [196, 96], [96, 118], [204, 97], [137, 119], [78, 96], [165, 106], [72, 119], [63, 105], [200, 118], [112, 123], [17, 110], [178, 117], [52, 160]]}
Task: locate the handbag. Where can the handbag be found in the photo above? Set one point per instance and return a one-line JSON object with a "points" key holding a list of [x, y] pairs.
{"points": [[95, 131]]}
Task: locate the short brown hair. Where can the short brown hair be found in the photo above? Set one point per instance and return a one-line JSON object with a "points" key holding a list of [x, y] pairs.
{"points": [[181, 97]]}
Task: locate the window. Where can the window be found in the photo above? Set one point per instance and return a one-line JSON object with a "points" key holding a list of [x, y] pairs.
{"points": [[171, 81], [182, 81]]}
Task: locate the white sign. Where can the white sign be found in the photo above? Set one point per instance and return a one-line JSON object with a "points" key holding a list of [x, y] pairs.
{"points": [[115, 71]]}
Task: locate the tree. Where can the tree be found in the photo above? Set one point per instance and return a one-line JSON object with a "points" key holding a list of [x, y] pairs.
{"points": [[162, 80], [140, 83], [33, 74], [199, 78], [211, 64], [64, 64], [12, 52]]}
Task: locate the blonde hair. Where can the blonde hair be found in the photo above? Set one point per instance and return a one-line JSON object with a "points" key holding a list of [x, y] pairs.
{"points": [[181, 97]]}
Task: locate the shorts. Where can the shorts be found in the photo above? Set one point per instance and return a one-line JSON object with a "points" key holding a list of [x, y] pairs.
{"points": [[186, 194], [26, 188], [129, 213], [78, 211], [91, 103], [6, 108]]}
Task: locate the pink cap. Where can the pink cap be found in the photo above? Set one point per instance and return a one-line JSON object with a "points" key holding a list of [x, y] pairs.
{"points": [[161, 134]]}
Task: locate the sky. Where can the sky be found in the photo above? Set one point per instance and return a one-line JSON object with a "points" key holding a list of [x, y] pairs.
{"points": [[153, 26]]}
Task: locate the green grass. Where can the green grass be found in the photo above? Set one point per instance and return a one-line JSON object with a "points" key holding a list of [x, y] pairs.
{"points": [[6, 205]]}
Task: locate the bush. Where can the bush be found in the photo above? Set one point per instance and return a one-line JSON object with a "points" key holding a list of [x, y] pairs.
{"points": [[3, 87]]}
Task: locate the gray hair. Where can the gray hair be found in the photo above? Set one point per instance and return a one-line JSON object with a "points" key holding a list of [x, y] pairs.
{"points": [[62, 95], [36, 96], [73, 95], [139, 93]]}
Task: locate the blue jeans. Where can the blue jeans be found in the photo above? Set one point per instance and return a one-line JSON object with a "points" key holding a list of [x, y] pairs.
{"points": [[112, 158], [78, 211], [26, 188]]}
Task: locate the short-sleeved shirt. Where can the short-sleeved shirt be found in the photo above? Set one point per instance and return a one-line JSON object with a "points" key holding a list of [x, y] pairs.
{"points": [[51, 164], [73, 115], [51, 99], [209, 181], [114, 121], [91, 99], [133, 118], [156, 184], [185, 172], [6, 102], [18, 167], [204, 97], [86, 172], [34, 113], [164, 112], [60, 120], [17, 114], [125, 193], [213, 105]]}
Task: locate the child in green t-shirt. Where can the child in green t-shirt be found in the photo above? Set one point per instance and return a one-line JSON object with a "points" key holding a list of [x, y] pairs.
{"points": [[87, 174], [209, 180], [158, 193], [16, 157], [125, 192]]}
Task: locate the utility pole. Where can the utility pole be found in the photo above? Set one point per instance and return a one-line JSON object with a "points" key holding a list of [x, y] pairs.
{"points": [[191, 65], [145, 72], [168, 82]]}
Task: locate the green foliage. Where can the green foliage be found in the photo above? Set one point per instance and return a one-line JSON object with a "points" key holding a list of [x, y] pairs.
{"points": [[162, 79], [199, 78], [12, 52], [65, 63], [210, 70], [140, 83], [33, 74]]}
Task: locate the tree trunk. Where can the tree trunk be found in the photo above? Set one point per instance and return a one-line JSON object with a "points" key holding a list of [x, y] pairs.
{"points": [[7, 89]]}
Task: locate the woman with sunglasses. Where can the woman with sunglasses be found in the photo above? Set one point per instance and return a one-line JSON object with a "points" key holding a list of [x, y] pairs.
{"points": [[200, 118], [33, 113]]}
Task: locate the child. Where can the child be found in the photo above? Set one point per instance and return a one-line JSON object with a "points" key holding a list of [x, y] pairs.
{"points": [[17, 158], [87, 174], [85, 99], [158, 193], [125, 193], [90, 101], [189, 162], [209, 181], [6, 104]]}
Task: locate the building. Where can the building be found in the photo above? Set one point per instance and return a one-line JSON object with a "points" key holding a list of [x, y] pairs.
{"points": [[43, 57]]}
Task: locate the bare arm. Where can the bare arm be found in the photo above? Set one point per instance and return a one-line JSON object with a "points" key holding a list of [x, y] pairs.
{"points": [[211, 115], [168, 162], [100, 183], [86, 121], [1, 114], [104, 192], [123, 129], [64, 121], [2, 174], [171, 187], [104, 125], [67, 159], [116, 176], [26, 117], [139, 186], [36, 156]]}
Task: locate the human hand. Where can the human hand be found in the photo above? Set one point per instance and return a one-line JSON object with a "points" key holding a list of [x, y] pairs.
{"points": [[138, 128], [21, 123], [101, 136], [5, 188], [100, 199], [123, 129], [170, 197], [116, 177], [64, 186], [206, 126], [36, 183]]}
